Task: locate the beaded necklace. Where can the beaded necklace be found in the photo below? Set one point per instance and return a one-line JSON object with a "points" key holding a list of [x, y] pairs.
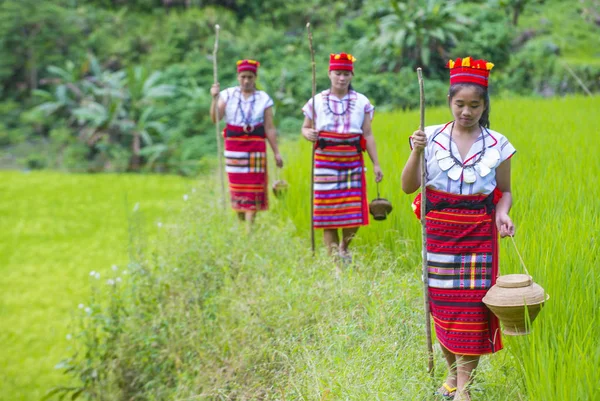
{"points": [[487, 160], [344, 110], [480, 153], [248, 128]]}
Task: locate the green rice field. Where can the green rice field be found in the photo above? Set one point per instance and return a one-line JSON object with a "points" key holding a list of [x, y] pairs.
{"points": [[57, 229], [228, 316]]}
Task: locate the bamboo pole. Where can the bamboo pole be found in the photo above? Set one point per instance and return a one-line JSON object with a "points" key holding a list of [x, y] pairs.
{"points": [[579, 81], [217, 129], [312, 162], [424, 231]]}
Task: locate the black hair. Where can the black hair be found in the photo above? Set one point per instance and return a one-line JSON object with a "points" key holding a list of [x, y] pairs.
{"points": [[482, 91]]}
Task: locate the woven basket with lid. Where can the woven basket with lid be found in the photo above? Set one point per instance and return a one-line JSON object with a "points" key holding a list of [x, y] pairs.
{"points": [[380, 207], [511, 297], [280, 187]]}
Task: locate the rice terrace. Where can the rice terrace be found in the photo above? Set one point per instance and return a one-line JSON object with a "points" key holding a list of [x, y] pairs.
{"points": [[128, 276]]}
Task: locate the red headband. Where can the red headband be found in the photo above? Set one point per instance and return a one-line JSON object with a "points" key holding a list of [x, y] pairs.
{"points": [[467, 70], [247, 65], [342, 61]]}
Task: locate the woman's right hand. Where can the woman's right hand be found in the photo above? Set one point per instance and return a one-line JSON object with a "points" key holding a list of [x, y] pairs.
{"points": [[215, 89], [419, 140], [310, 134]]}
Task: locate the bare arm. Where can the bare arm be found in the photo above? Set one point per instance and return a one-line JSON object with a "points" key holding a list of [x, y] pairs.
{"points": [[308, 132], [214, 92], [411, 174], [503, 222], [371, 147], [271, 134]]}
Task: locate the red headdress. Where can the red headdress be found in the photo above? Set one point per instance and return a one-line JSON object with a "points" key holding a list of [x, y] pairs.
{"points": [[467, 70], [247, 65], [342, 61]]}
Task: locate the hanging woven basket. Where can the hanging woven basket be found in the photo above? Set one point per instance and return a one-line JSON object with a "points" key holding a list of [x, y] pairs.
{"points": [[280, 187], [380, 207], [516, 300]]}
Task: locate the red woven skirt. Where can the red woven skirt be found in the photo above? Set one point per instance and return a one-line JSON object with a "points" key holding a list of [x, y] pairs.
{"points": [[462, 261], [340, 190], [246, 167]]}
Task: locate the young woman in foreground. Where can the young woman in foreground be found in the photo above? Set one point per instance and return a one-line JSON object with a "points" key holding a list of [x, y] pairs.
{"points": [[468, 200]]}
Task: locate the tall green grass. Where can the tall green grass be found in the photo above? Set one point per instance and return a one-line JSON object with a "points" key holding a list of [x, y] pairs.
{"points": [[56, 229], [556, 201], [210, 313]]}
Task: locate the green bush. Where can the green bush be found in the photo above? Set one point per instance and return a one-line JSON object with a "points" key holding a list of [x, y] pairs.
{"points": [[88, 83], [75, 158], [532, 69], [490, 37]]}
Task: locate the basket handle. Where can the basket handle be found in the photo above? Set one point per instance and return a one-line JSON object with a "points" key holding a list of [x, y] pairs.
{"points": [[378, 190], [512, 237]]}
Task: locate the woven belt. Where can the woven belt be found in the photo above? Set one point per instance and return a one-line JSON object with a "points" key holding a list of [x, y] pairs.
{"points": [[487, 203]]}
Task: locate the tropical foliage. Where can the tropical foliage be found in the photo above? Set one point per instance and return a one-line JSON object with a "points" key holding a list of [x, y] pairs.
{"points": [[112, 85]]}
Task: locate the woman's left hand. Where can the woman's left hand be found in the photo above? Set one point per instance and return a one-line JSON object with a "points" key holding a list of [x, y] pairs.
{"points": [[505, 225], [378, 173], [278, 160]]}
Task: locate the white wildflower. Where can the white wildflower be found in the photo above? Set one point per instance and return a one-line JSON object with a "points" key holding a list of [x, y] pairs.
{"points": [[93, 273], [88, 310], [115, 268], [97, 275], [136, 206], [193, 190], [118, 279], [185, 197], [81, 306], [110, 281], [69, 337], [159, 224], [125, 272]]}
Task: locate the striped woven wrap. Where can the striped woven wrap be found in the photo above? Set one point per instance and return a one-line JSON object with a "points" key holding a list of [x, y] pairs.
{"points": [[340, 197], [462, 262], [246, 167]]}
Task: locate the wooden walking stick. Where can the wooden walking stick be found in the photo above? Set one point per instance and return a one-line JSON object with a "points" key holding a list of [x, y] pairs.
{"points": [[423, 230], [312, 162], [217, 130]]}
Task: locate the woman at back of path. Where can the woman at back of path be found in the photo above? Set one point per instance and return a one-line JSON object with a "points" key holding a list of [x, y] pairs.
{"points": [[248, 113], [342, 120], [468, 200]]}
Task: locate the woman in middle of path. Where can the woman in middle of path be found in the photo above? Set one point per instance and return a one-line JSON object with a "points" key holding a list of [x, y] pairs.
{"points": [[342, 120], [249, 116]]}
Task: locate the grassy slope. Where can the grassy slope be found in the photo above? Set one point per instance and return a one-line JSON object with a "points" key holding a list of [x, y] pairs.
{"points": [[56, 228], [218, 314], [562, 22]]}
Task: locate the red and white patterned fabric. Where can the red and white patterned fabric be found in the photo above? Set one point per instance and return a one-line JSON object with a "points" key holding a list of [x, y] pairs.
{"points": [[248, 65], [462, 264], [341, 62], [467, 70]]}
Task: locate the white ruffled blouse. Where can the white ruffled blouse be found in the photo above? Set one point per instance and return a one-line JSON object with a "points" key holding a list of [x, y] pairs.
{"points": [[446, 171], [240, 111]]}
